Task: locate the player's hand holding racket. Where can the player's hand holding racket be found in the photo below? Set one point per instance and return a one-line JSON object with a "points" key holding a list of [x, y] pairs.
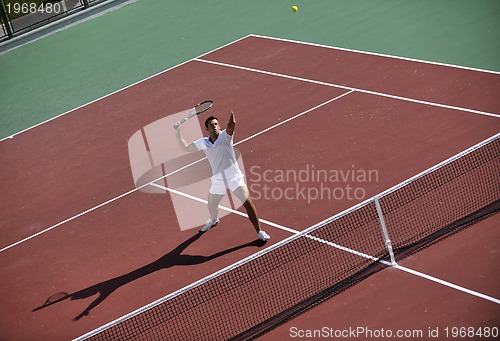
{"points": [[198, 109]]}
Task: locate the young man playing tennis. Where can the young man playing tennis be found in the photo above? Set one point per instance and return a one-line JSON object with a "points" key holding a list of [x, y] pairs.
{"points": [[218, 148]]}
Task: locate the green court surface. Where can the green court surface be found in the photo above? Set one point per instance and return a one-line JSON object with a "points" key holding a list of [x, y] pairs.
{"points": [[70, 68]]}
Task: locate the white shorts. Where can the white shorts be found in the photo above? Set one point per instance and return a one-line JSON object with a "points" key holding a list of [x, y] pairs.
{"points": [[219, 186]]}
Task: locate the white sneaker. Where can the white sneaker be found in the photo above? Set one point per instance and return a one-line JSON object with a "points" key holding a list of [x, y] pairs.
{"points": [[209, 224], [263, 236]]}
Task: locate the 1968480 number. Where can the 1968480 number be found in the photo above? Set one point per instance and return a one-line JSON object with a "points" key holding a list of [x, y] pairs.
{"points": [[27, 8], [471, 332]]}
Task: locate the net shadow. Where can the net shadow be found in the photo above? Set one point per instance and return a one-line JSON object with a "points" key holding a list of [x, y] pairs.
{"points": [[447, 231]]}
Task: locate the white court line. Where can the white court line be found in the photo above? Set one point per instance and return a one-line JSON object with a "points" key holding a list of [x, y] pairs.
{"points": [[340, 247], [263, 221], [374, 54], [448, 284], [169, 174], [296, 116], [71, 218], [407, 99], [270, 223]]}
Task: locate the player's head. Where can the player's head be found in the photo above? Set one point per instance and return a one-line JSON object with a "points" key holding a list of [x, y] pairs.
{"points": [[211, 118], [212, 125]]}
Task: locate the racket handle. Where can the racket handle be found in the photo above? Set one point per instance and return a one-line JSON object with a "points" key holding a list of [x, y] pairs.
{"points": [[177, 125]]}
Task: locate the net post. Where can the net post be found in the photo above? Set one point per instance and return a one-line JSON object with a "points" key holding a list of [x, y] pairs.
{"points": [[388, 243]]}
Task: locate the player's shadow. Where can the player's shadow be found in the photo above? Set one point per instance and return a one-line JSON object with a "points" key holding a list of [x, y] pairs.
{"points": [[173, 258]]}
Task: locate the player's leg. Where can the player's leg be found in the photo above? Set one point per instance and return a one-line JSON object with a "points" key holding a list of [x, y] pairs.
{"points": [[213, 210], [244, 196], [213, 205], [215, 196]]}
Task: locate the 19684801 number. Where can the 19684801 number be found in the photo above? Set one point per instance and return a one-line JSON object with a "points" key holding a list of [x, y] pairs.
{"points": [[31, 7]]}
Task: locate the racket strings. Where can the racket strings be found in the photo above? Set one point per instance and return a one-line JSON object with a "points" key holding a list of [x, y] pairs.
{"points": [[202, 107]]}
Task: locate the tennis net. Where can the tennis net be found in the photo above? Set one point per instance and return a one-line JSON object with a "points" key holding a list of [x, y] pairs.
{"points": [[262, 291]]}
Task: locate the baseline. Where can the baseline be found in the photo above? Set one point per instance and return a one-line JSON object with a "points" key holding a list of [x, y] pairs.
{"points": [[351, 89], [427, 82]]}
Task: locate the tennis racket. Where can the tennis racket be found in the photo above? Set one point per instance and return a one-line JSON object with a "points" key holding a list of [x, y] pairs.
{"points": [[198, 109]]}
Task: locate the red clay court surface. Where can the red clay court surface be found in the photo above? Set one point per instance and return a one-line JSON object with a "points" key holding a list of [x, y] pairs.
{"points": [[371, 112]]}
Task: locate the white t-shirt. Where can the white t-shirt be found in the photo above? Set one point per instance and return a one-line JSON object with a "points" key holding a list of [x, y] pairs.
{"points": [[221, 156]]}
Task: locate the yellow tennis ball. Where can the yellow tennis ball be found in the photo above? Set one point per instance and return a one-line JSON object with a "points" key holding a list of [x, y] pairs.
{"points": [[295, 8]]}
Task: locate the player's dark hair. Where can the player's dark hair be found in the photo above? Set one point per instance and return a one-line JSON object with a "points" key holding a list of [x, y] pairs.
{"points": [[209, 119]]}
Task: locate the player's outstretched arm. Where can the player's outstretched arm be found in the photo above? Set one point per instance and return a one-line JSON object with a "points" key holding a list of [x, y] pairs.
{"points": [[183, 144], [231, 124]]}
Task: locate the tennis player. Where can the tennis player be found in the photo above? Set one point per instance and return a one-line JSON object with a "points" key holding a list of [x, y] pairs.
{"points": [[218, 148]]}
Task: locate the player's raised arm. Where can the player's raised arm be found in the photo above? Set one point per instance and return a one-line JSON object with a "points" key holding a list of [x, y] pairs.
{"points": [[183, 144], [231, 124]]}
